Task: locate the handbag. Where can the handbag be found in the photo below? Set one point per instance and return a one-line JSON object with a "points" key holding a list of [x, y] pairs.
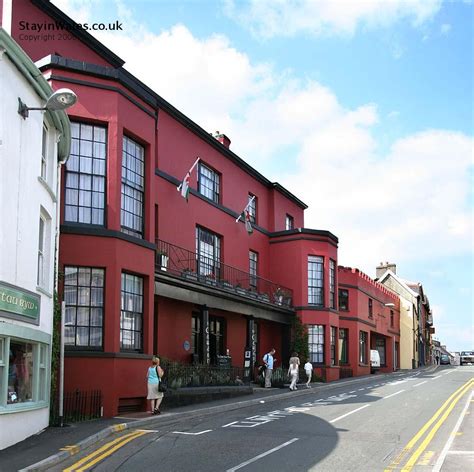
{"points": [[162, 387]]}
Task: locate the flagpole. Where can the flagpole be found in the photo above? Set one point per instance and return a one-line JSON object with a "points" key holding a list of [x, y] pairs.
{"points": [[248, 204], [178, 188]]}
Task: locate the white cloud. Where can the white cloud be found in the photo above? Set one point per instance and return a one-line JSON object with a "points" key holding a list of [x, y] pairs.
{"points": [[445, 28], [269, 18], [407, 204]]}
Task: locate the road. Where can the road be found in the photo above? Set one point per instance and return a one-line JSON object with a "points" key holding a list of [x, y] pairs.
{"points": [[411, 421]]}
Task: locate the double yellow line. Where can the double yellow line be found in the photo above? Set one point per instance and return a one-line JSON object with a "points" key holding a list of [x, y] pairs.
{"points": [[443, 413], [103, 452]]}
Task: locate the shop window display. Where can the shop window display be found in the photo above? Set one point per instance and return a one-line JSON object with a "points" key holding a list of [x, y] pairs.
{"points": [[20, 372]]}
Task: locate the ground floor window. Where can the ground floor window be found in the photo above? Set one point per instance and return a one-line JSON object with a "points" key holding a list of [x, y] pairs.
{"points": [[216, 338], [380, 346], [24, 367], [363, 336], [316, 343], [333, 345], [131, 315], [196, 338], [343, 346]]}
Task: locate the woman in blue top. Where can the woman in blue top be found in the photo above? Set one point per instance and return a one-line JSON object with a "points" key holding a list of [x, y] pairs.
{"points": [[154, 374]]}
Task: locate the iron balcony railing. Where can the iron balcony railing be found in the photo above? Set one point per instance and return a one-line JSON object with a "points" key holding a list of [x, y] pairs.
{"points": [[212, 272]]}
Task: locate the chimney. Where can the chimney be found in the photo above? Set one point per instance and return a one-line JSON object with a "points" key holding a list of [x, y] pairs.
{"points": [[222, 138], [382, 267]]}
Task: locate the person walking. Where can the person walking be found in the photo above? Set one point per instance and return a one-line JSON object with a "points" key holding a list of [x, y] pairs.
{"points": [[308, 368], [293, 374], [294, 359], [154, 375], [269, 360]]}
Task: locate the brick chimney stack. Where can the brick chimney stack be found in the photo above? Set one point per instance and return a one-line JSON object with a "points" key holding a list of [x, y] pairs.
{"points": [[382, 267], [222, 138]]}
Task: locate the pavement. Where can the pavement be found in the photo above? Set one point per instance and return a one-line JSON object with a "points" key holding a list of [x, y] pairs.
{"points": [[55, 444]]}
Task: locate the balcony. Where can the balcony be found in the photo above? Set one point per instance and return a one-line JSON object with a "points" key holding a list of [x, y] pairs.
{"points": [[212, 273]]}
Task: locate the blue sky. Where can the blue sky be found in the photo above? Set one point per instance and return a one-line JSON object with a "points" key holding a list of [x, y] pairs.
{"points": [[363, 109]]}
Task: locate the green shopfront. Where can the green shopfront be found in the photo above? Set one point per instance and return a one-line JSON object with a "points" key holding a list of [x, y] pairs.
{"points": [[24, 351]]}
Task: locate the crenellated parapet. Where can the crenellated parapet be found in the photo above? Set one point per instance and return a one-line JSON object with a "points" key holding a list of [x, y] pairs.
{"points": [[362, 276]]}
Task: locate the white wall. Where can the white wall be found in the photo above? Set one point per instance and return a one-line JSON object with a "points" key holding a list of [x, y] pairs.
{"points": [[22, 197]]}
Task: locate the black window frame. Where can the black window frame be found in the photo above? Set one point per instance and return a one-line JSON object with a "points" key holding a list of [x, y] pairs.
{"points": [[82, 289], [132, 193], [139, 315], [86, 175], [209, 182], [342, 306], [344, 346], [252, 208], [315, 292], [333, 344], [332, 283], [208, 265], [363, 345], [316, 338], [253, 269]]}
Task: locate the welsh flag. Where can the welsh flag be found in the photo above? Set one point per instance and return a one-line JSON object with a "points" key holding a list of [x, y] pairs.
{"points": [[245, 215], [183, 187], [248, 223]]}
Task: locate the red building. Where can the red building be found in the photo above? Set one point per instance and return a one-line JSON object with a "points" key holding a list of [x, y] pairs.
{"points": [[369, 318], [147, 272]]}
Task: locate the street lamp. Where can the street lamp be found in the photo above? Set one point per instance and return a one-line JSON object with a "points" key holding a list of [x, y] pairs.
{"points": [[59, 100]]}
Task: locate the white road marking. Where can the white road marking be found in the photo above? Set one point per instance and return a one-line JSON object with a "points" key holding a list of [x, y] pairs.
{"points": [[360, 389], [393, 394], [449, 442], [353, 391], [350, 413], [229, 424], [148, 430], [192, 434], [421, 383], [437, 377], [243, 464]]}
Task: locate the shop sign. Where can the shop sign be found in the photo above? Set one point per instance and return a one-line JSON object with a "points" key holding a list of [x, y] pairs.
{"points": [[19, 303]]}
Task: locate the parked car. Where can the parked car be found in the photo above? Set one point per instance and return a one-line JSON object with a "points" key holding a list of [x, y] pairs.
{"points": [[445, 360], [374, 361], [467, 357]]}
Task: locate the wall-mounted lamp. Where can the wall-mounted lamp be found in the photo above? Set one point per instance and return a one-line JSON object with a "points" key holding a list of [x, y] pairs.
{"points": [[389, 304], [59, 100]]}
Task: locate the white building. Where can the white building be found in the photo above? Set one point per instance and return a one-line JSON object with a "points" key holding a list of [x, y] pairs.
{"points": [[31, 150]]}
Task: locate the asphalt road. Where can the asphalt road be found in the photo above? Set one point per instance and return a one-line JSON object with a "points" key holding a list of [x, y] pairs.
{"points": [[406, 422]]}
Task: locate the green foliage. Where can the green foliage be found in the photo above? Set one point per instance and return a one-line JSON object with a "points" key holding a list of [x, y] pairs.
{"points": [[300, 339]]}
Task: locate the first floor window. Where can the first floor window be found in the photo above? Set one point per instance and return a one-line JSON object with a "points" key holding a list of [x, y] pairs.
{"points": [[316, 343], [315, 280], [363, 336], [253, 264], [333, 341], [131, 315], [208, 182], [343, 299], [391, 319], [208, 248], [84, 297], [86, 174], [343, 347], [44, 154], [371, 308], [332, 284], [289, 222], [41, 253], [252, 208], [133, 187]]}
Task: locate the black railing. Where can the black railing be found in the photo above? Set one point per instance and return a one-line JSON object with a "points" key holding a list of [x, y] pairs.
{"points": [[212, 272], [78, 406], [182, 375]]}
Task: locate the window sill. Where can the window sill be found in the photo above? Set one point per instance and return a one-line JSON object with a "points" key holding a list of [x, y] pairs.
{"points": [[48, 188], [22, 407], [44, 291]]}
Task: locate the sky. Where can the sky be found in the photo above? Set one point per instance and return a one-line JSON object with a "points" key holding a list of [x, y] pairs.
{"points": [[363, 109]]}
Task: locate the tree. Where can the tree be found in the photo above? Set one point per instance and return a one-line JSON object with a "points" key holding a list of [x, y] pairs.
{"points": [[300, 339]]}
